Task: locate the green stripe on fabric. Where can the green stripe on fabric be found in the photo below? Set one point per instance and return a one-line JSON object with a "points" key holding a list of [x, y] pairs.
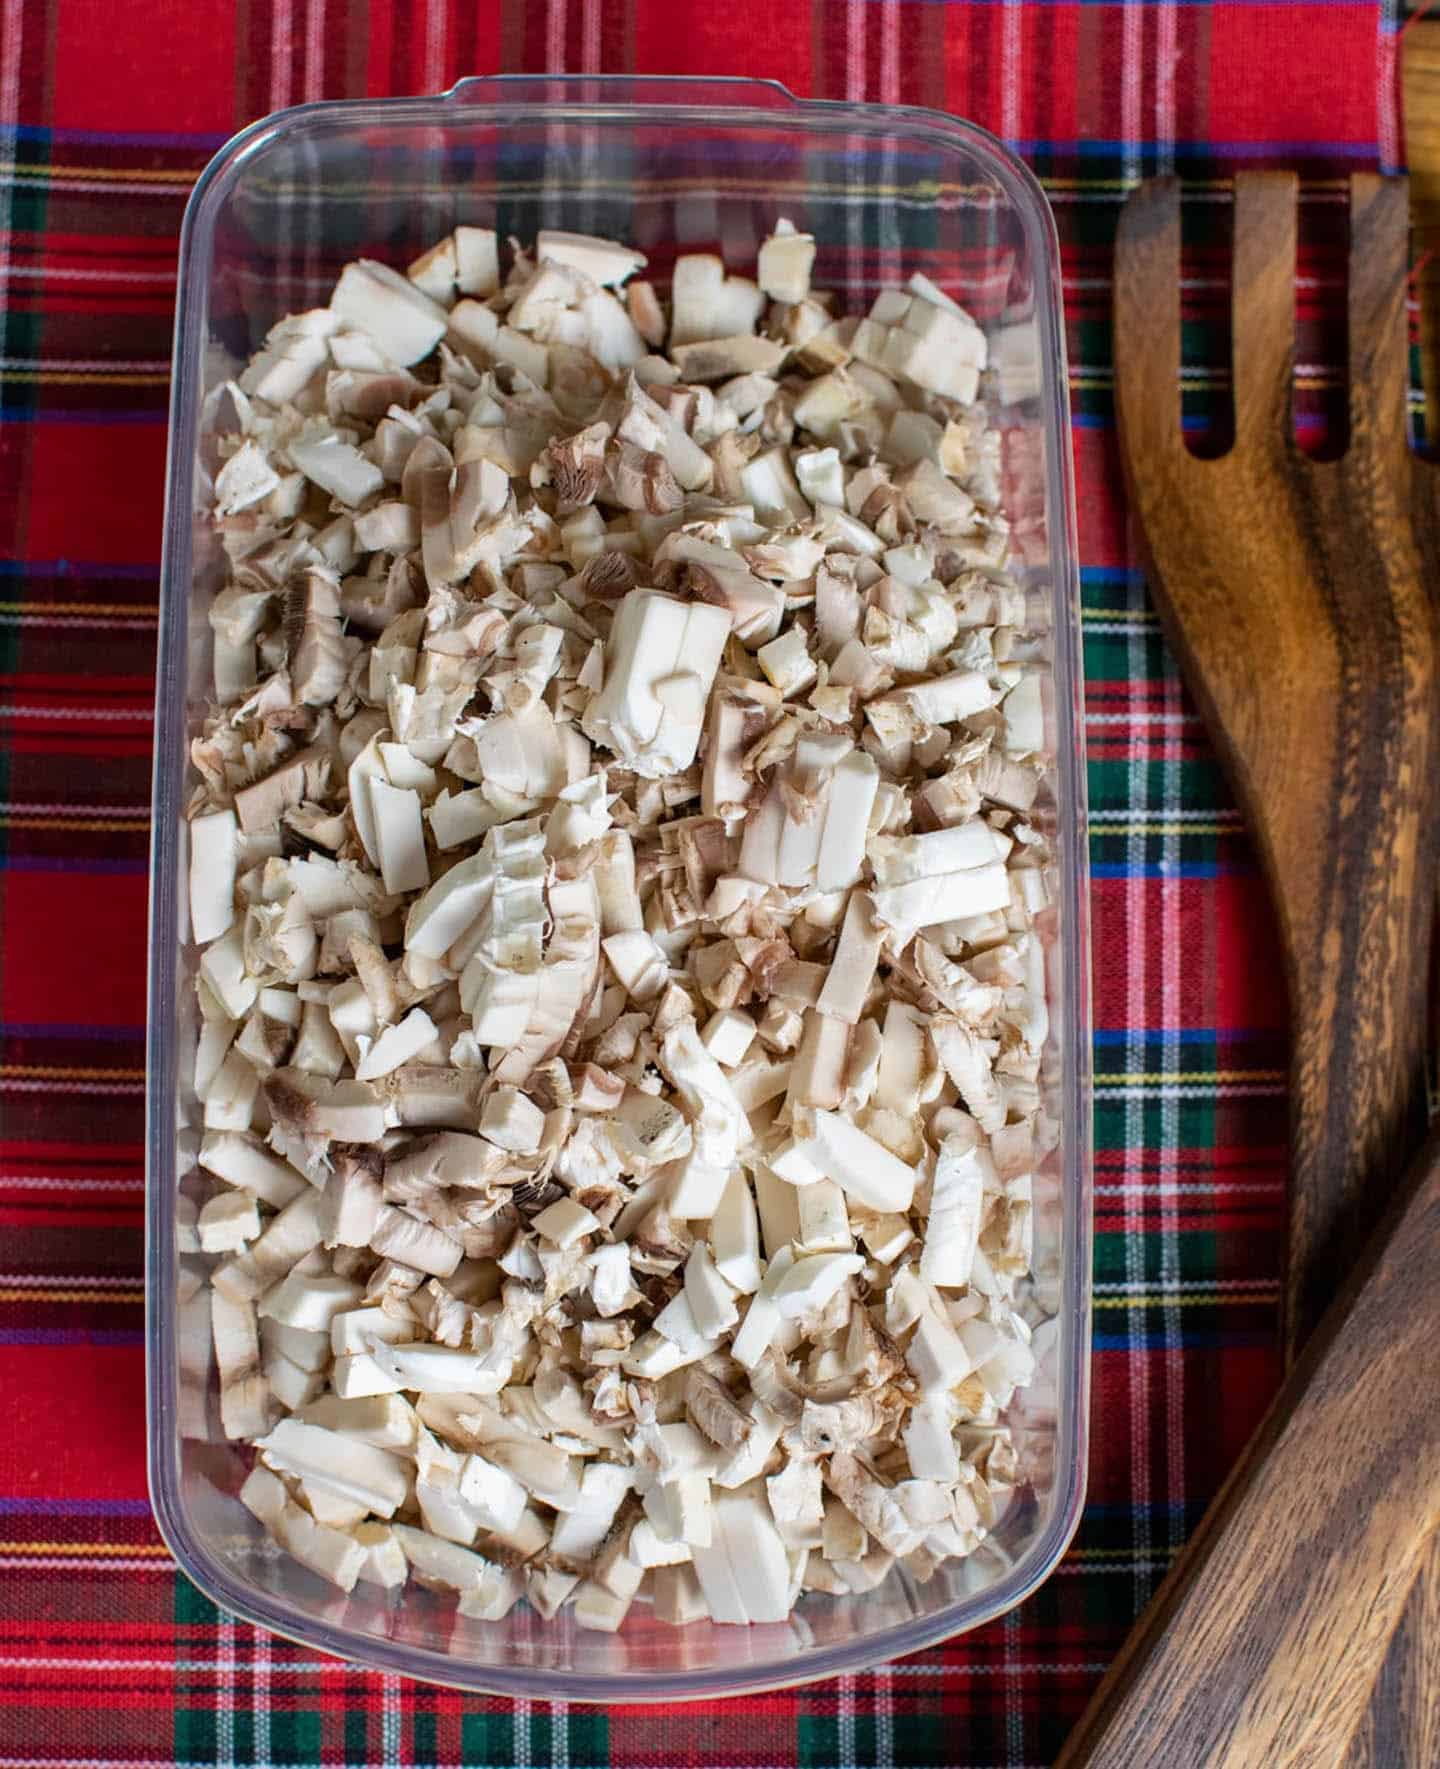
{"points": [[193, 1609]]}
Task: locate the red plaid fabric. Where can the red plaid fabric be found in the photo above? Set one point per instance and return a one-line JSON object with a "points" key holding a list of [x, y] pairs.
{"points": [[107, 113]]}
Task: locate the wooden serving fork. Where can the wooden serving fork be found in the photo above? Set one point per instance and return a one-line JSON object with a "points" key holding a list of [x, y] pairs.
{"points": [[1293, 592]]}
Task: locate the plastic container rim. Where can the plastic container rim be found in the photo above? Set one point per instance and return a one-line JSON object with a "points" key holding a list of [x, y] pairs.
{"points": [[642, 100]]}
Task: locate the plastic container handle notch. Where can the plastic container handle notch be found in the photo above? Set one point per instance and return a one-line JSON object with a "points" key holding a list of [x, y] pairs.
{"points": [[734, 91]]}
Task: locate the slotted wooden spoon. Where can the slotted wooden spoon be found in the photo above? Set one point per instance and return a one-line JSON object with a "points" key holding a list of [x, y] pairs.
{"points": [[1292, 592]]}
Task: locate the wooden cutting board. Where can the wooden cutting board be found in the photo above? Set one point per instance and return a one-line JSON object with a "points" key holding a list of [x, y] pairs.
{"points": [[1266, 1652], [1402, 1722]]}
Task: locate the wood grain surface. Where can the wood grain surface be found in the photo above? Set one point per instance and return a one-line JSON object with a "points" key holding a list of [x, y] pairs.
{"points": [[1402, 1723], [1420, 97], [1336, 1495], [1291, 590]]}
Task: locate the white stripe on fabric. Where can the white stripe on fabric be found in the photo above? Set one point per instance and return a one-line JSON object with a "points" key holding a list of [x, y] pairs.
{"points": [[1137, 717], [225, 1691], [1136, 1096], [84, 715], [855, 51], [59, 274], [1200, 1188], [314, 49], [436, 21], [1167, 59], [559, 1735], [1389, 141], [590, 37], [1132, 76], [890, 55], [520, 1720], [1172, 1018], [885, 1716], [845, 1720], [1136, 893], [1011, 58], [1171, 814], [261, 1641], [281, 25], [1207, 1286], [391, 1707]]}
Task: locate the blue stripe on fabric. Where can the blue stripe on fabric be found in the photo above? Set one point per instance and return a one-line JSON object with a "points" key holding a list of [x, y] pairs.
{"points": [[100, 1034], [76, 1335], [1159, 1340], [1118, 575], [1164, 869], [1090, 147], [74, 1507], [1181, 1035], [53, 863], [28, 414], [206, 143], [73, 568]]}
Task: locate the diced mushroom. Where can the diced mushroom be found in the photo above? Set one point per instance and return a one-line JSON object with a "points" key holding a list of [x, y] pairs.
{"points": [[616, 871], [785, 261], [402, 319], [707, 304], [603, 261]]}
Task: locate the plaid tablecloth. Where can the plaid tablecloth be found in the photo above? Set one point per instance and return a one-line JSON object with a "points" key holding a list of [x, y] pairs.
{"points": [[108, 109]]}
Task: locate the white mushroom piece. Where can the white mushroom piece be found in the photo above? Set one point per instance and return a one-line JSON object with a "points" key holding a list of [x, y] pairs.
{"points": [[618, 869]]}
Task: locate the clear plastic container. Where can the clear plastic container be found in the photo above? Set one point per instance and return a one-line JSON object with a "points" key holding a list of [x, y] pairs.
{"points": [[664, 165]]}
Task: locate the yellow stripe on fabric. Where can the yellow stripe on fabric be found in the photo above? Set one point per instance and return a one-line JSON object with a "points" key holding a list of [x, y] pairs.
{"points": [[94, 825], [131, 1298], [151, 1550], [128, 175], [59, 378], [124, 608], [33, 1071], [1116, 1553], [1191, 1299], [1234, 827], [1192, 185], [1198, 380]]}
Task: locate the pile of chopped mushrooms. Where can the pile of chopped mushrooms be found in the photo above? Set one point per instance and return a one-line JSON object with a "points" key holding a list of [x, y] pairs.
{"points": [[614, 878]]}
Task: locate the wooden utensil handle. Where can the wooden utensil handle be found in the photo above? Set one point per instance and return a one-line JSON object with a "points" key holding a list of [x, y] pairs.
{"points": [[1264, 1642], [1359, 955], [1357, 1087]]}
